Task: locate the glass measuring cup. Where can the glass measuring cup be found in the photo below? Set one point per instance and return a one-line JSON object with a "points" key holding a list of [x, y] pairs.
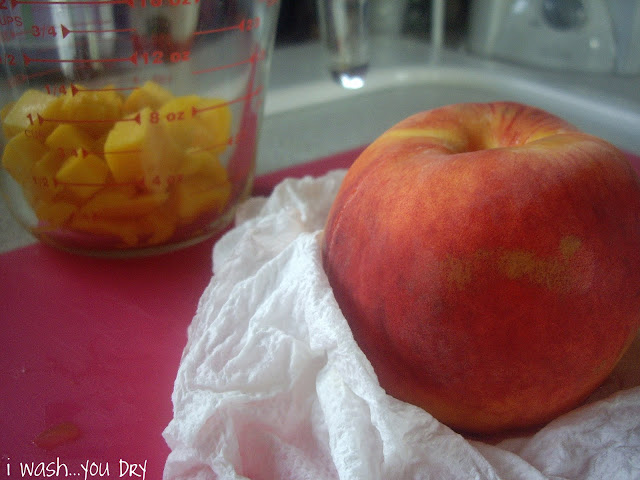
{"points": [[131, 126]]}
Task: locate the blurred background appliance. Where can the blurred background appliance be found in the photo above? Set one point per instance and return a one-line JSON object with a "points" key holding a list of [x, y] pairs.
{"points": [[626, 20], [559, 34]]}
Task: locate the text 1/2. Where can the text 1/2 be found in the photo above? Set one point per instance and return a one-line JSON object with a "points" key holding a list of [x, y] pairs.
{"points": [[158, 57]]}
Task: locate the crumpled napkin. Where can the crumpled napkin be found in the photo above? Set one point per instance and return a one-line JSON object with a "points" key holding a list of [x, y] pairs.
{"points": [[272, 385]]}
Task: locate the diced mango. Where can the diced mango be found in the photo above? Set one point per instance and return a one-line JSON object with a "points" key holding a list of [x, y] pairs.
{"points": [[126, 230], [142, 152], [54, 214], [198, 195], [20, 154], [162, 223], [120, 202], [149, 95], [83, 175], [208, 165], [86, 166], [181, 126], [215, 115], [24, 114], [203, 162], [97, 109], [124, 146], [48, 165], [194, 122], [68, 138], [161, 161]]}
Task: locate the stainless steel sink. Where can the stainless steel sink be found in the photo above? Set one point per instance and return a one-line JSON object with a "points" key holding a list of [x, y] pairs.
{"points": [[313, 116]]}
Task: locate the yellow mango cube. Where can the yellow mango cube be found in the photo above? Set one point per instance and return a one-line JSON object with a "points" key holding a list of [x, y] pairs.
{"points": [[203, 162], [199, 123], [215, 115], [149, 95], [97, 109], [54, 214], [162, 224], [161, 160], [121, 202], [142, 153], [20, 154], [67, 138], [124, 146], [126, 231], [199, 195], [83, 175], [24, 113]]}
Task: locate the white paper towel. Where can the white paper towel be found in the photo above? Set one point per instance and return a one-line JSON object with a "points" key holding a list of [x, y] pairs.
{"points": [[272, 385]]}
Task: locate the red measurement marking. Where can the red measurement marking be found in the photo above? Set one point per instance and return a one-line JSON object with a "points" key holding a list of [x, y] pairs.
{"points": [[249, 24], [229, 142], [8, 59], [83, 153], [240, 26], [57, 182], [75, 152], [83, 184], [252, 59], [42, 120], [27, 60], [257, 91], [66, 31], [71, 2], [77, 184], [43, 30], [75, 90], [42, 73], [22, 78]]}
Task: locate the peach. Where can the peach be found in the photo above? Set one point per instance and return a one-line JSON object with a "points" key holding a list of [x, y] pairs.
{"points": [[487, 259]]}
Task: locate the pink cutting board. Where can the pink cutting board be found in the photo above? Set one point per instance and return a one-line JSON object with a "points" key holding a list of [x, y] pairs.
{"points": [[95, 344]]}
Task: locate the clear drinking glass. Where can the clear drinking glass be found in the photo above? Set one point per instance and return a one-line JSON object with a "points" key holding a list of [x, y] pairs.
{"points": [[344, 31], [131, 126]]}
